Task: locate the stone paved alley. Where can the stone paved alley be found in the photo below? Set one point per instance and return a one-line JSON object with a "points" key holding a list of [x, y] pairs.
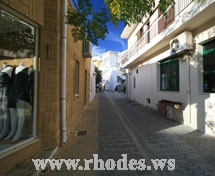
{"points": [[116, 125], [126, 127]]}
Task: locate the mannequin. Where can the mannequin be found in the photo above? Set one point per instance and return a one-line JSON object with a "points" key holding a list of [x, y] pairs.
{"points": [[18, 100], [5, 81], [20, 67]]}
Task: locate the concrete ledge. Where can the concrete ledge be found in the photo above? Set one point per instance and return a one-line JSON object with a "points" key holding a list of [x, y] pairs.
{"points": [[16, 155]]}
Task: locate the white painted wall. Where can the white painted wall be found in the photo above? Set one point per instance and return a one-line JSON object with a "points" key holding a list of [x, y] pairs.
{"points": [[198, 107], [148, 84], [203, 104], [92, 81], [110, 69]]}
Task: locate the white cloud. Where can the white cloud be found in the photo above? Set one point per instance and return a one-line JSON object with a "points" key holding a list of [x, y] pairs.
{"points": [[111, 36], [97, 50], [115, 38]]}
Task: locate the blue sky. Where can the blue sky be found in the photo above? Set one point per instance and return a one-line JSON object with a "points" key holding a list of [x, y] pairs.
{"points": [[112, 42]]}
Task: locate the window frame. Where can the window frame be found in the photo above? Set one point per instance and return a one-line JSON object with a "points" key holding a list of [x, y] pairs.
{"points": [[165, 21], [134, 82], [169, 73], [207, 72], [35, 76], [77, 76]]}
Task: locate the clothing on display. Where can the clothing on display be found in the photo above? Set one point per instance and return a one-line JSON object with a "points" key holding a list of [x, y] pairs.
{"points": [[5, 81], [15, 100]]}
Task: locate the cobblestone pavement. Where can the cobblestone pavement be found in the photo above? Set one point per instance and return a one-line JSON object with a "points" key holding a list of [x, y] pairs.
{"points": [[81, 146], [126, 127], [118, 128], [77, 147]]}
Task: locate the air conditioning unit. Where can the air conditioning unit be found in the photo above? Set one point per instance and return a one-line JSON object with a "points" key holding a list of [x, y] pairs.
{"points": [[182, 42], [87, 49]]}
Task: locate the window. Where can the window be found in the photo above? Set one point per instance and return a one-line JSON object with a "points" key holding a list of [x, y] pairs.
{"points": [[17, 58], [140, 33], [134, 82], [165, 21], [148, 32], [77, 77], [209, 66], [169, 75], [144, 34]]}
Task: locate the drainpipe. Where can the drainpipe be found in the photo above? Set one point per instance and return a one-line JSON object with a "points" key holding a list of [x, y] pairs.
{"points": [[63, 71], [189, 90]]}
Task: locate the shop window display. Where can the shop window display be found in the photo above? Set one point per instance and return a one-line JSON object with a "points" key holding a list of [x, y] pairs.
{"points": [[17, 58]]}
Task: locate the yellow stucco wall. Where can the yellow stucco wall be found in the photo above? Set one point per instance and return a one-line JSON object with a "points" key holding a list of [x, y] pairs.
{"points": [[47, 14]]}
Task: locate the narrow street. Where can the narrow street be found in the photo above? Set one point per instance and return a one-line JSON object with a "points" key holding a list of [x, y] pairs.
{"points": [[126, 127], [119, 130], [82, 96]]}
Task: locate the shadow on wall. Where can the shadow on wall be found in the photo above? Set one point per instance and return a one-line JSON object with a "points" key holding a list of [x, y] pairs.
{"points": [[210, 115]]}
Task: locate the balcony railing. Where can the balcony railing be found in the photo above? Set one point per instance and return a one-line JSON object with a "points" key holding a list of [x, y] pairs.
{"points": [[157, 26]]}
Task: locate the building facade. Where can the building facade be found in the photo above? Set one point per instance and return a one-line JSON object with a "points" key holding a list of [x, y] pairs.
{"points": [[44, 80], [170, 63], [108, 63], [92, 82]]}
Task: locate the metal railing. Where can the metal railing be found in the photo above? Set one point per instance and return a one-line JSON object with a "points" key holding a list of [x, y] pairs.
{"points": [[153, 31]]}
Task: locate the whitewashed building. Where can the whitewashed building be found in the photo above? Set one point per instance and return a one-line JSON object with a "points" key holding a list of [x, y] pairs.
{"points": [[171, 63], [92, 81], [112, 75]]}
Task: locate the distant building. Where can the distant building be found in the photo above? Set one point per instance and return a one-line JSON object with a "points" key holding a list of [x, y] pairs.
{"points": [[92, 81], [171, 63], [112, 75]]}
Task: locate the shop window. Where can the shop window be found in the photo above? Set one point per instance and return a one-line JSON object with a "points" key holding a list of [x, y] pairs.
{"points": [[77, 77], [169, 75], [209, 67], [17, 58]]}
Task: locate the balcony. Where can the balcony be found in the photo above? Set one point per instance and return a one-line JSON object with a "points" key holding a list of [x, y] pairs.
{"points": [[187, 16]]}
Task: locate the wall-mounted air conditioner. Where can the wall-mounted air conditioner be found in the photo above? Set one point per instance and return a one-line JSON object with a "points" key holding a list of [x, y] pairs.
{"points": [[182, 42], [87, 49]]}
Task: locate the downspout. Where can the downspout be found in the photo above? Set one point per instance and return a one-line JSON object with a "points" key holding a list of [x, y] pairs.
{"points": [[63, 71], [189, 91]]}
